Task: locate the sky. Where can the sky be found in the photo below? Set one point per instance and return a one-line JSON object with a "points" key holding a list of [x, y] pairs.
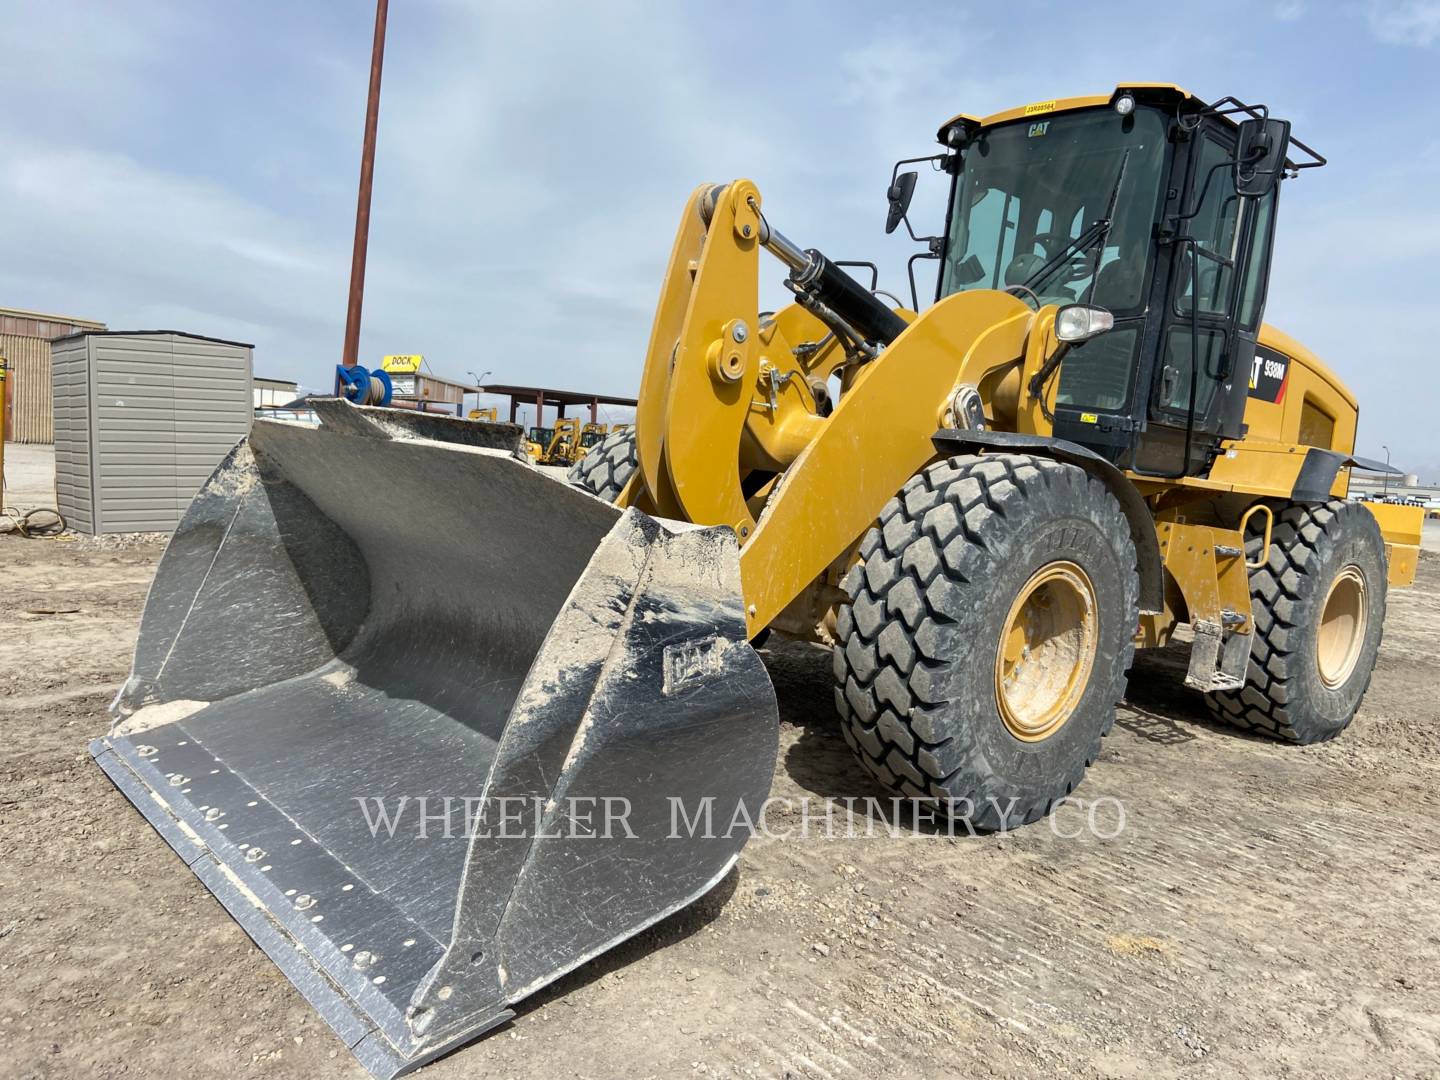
{"points": [[193, 165]]}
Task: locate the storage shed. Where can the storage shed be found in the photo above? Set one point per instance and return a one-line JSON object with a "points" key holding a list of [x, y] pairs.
{"points": [[141, 420]]}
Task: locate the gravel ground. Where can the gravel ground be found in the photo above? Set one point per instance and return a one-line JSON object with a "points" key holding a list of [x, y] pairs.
{"points": [[1265, 910]]}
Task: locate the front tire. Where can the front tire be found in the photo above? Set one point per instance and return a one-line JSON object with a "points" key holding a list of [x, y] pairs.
{"points": [[1319, 610], [991, 625]]}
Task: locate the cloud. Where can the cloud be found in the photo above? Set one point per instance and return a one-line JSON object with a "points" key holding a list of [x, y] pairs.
{"points": [[126, 233], [1405, 22], [196, 165]]}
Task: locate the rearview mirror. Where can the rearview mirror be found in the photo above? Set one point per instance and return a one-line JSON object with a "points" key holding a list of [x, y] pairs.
{"points": [[1260, 156], [900, 193], [968, 272]]}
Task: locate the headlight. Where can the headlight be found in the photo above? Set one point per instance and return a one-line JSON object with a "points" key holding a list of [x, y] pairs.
{"points": [[1080, 322], [1125, 104]]}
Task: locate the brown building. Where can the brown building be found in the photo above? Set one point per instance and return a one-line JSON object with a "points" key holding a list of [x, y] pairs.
{"points": [[25, 338]]}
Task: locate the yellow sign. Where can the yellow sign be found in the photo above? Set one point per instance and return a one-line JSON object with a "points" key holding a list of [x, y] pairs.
{"points": [[1089, 418], [1039, 107], [402, 365]]}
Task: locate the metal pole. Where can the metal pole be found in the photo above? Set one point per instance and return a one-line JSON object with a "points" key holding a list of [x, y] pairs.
{"points": [[350, 353], [4, 419]]}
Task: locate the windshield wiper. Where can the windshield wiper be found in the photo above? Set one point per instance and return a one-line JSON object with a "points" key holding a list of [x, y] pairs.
{"points": [[1097, 230]]}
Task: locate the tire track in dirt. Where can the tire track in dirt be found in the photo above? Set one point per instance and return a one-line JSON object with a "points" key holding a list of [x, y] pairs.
{"points": [[1265, 910]]}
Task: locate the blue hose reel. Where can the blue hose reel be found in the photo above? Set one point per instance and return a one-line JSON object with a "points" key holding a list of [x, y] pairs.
{"points": [[361, 386]]}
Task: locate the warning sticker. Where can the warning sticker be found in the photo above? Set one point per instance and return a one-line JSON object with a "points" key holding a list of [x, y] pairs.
{"points": [[1268, 375]]}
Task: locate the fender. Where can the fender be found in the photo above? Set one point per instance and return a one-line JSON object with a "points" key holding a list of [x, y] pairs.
{"points": [[1137, 513], [1316, 479]]}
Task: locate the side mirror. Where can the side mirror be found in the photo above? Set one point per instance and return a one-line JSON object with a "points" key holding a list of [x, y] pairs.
{"points": [[1260, 156], [899, 194]]}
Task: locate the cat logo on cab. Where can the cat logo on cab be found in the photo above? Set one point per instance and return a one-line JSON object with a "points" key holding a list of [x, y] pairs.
{"points": [[1268, 375]]}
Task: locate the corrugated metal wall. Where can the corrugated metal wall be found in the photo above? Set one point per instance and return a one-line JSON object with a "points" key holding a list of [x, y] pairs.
{"points": [[29, 419], [141, 422], [25, 338], [133, 397], [214, 406], [70, 371]]}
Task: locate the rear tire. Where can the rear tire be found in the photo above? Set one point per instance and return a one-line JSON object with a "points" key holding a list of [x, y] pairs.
{"points": [[607, 468], [943, 691], [1319, 610]]}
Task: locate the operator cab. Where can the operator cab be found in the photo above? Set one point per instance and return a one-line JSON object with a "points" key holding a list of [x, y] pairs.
{"points": [[1151, 205]]}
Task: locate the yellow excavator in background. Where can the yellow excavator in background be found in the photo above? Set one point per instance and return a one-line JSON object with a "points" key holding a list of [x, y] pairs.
{"points": [[564, 448], [558, 445], [1086, 440]]}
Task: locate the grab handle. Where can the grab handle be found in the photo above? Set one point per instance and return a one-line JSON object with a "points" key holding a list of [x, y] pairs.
{"points": [[1269, 526]]}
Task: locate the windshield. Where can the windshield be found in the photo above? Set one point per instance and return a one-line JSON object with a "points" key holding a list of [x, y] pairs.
{"points": [[1028, 190]]}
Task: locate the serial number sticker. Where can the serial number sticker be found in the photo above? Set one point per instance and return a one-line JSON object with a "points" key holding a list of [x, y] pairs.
{"points": [[1039, 107], [1089, 418]]}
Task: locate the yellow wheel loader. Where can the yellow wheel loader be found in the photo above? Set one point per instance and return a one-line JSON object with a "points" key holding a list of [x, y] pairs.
{"points": [[536, 443], [431, 770], [591, 435]]}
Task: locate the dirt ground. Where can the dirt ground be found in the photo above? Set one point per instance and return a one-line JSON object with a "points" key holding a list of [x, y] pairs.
{"points": [[1265, 911]]}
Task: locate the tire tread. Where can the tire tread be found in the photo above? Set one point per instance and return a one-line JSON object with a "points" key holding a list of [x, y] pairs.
{"points": [[909, 598]]}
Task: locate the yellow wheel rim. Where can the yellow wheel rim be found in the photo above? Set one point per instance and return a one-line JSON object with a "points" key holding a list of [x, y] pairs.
{"points": [[1047, 649], [1343, 620]]}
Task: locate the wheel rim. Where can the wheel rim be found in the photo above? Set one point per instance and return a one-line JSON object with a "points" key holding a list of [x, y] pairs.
{"points": [[1047, 649], [1342, 627]]}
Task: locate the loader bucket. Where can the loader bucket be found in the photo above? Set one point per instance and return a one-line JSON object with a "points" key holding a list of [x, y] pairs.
{"points": [[433, 726]]}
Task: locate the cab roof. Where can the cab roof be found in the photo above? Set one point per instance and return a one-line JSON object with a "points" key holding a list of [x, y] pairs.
{"points": [[1148, 91]]}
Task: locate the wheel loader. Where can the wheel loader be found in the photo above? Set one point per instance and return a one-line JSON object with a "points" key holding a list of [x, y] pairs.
{"points": [[1088, 441], [592, 434], [536, 443]]}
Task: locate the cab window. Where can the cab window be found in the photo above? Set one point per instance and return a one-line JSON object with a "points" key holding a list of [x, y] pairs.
{"points": [[1209, 263], [1252, 299]]}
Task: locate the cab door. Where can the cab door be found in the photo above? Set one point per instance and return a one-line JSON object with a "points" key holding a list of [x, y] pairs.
{"points": [[1213, 310]]}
